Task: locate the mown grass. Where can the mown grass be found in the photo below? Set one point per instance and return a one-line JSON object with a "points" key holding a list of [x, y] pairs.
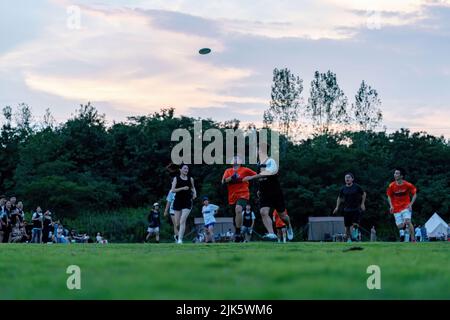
{"points": [[226, 271]]}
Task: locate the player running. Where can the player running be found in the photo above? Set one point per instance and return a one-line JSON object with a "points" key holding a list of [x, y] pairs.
{"points": [[153, 223], [270, 194], [169, 210], [184, 187], [281, 227], [399, 195], [209, 210], [238, 190], [353, 199]]}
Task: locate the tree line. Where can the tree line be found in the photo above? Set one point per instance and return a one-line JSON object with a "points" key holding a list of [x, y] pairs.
{"points": [[84, 166]]}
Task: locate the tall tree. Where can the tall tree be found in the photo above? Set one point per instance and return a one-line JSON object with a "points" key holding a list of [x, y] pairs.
{"points": [[366, 109], [327, 104], [286, 101]]}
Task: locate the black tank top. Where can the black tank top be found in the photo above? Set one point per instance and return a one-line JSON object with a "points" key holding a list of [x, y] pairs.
{"points": [[184, 195]]}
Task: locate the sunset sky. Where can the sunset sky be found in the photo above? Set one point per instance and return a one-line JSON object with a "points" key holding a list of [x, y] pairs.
{"points": [[135, 57]]}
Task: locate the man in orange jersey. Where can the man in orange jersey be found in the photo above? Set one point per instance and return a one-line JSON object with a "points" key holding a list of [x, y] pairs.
{"points": [[399, 195], [238, 190]]}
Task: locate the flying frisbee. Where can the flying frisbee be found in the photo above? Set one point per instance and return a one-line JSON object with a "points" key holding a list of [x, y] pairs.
{"points": [[205, 51]]}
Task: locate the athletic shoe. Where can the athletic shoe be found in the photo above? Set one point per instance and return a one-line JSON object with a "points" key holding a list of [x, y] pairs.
{"points": [[180, 241], [175, 237], [270, 236], [290, 234], [349, 240]]}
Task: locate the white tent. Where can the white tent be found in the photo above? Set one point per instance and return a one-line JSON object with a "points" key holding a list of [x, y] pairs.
{"points": [[436, 226]]}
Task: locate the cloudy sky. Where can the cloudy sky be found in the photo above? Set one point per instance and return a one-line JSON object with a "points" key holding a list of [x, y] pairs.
{"points": [[131, 57]]}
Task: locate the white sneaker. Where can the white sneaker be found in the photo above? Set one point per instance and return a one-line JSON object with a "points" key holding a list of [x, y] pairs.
{"points": [[290, 234], [180, 241], [270, 236]]}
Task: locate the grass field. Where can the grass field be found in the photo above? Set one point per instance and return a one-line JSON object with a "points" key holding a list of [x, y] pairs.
{"points": [[226, 271]]}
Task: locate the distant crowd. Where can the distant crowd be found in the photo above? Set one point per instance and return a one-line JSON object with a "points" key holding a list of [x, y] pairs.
{"points": [[14, 228]]}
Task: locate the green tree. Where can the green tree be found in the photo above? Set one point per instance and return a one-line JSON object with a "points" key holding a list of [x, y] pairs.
{"points": [[286, 101], [327, 104], [366, 109]]}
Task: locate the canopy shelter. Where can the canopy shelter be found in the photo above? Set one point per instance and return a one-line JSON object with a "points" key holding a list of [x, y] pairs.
{"points": [[436, 227]]}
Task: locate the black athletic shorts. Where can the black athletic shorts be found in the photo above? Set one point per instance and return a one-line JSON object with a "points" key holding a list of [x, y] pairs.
{"points": [[182, 204], [273, 199], [351, 217]]}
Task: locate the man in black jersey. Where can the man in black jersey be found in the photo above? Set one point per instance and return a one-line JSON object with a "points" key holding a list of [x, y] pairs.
{"points": [[352, 198]]}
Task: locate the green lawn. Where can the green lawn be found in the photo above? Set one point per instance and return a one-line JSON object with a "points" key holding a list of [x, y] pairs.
{"points": [[226, 271]]}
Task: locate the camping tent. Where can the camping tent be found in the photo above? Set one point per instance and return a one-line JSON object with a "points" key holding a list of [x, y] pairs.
{"points": [[436, 227]]}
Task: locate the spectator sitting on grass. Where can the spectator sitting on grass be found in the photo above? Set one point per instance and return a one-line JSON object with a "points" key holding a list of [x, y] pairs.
{"points": [[60, 237], [100, 239]]}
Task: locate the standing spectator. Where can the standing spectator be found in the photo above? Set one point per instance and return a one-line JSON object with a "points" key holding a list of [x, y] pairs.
{"points": [[37, 226], [423, 234], [418, 233], [20, 211], [7, 230], [2, 203], [248, 217], [46, 226], [3, 225], [373, 234], [13, 201]]}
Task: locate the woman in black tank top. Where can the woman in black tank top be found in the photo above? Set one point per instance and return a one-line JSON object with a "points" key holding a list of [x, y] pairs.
{"points": [[183, 187]]}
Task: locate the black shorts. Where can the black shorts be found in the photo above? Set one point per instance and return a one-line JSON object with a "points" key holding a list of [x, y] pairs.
{"points": [[272, 199], [182, 204], [352, 217]]}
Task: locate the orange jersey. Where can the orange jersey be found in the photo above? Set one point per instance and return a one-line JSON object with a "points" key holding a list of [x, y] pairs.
{"points": [[278, 222], [238, 189], [401, 195]]}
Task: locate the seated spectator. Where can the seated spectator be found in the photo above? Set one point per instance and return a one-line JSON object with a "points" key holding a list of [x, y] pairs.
{"points": [[18, 233], [60, 237], [100, 239]]}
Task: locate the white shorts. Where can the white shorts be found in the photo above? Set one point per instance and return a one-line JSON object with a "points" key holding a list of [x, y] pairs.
{"points": [[153, 230], [402, 216]]}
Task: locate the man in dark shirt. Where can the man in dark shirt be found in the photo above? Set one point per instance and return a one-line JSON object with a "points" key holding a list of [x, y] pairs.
{"points": [[154, 222], [353, 199]]}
